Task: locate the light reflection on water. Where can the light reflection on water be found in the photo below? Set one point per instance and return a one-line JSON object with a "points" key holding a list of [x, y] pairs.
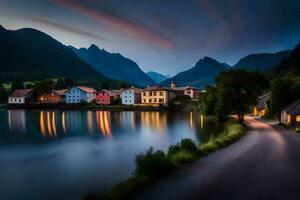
{"points": [[50, 154]]}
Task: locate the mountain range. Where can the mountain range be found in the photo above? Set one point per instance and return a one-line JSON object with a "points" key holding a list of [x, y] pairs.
{"points": [[34, 55], [113, 65], [157, 77]]}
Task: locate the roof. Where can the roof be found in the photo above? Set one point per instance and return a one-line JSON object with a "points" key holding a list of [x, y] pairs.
{"points": [[293, 108], [156, 88], [110, 93], [133, 89], [262, 101], [86, 89], [59, 92], [21, 93], [185, 88]]}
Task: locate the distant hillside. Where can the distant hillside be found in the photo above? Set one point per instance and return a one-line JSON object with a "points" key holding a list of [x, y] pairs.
{"points": [[157, 77], [262, 61], [226, 65], [34, 55], [201, 74], [113, 65]]}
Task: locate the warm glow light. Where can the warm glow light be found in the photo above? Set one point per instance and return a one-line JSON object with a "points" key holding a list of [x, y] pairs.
{"points": [[201, 121], [89, 121], [53, 123], [298, 118], [49, 124], [191, 119], [9, 120], [106, 123], [63, 122], [42, 123]]}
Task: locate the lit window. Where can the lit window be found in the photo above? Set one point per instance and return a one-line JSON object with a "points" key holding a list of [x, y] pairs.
{"points": [[298, 118]]}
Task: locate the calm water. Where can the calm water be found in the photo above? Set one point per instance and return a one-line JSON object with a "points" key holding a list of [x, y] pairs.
{"points": [[66, 154]]}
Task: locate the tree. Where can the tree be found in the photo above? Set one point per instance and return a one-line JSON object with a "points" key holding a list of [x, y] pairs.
{"points": [[207, 101], [281, 95], [105, 85], [17, 84], [3, 94], [236, 91], [42, 87], [60, 84], [69, 82]]}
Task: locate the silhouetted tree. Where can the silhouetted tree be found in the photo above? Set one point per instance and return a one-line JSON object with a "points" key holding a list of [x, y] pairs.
{"points": [[17, 84], [60, 84], [105, 85], [3, 94]]}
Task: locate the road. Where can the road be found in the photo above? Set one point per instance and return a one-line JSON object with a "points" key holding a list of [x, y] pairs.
{"points": [[264, 164]]}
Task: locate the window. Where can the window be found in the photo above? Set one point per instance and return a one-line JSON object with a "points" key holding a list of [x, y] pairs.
{"points": [[150, 100], [161, 94], [161, 100], [145, 101], [154, 93], [155, 100], [298, 118]]}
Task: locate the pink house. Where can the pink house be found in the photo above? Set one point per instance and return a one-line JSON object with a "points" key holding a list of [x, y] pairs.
{"points": [[106, 97]]}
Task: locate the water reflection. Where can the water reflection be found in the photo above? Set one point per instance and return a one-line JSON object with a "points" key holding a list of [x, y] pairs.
{"points": [[56, 124], [17, 121], [103, 123]]}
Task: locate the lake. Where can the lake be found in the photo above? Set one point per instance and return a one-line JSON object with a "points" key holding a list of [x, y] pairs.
{"points": [[54, 154]]}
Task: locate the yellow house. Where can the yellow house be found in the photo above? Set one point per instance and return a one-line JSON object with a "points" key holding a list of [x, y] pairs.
{"points": [[261, 107], [156, 95]]}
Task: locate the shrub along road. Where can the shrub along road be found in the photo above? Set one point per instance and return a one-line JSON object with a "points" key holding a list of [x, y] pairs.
{"points": [[264, 164]]}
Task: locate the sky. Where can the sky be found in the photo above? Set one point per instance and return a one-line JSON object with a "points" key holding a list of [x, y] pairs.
{"points": [[168, 36]]}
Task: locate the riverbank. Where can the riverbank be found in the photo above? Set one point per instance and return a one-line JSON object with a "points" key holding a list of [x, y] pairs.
{"points": [[85, 107], [154, 165]]}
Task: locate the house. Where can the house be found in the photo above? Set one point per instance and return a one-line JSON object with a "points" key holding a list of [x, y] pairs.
{"points": [[53, 97], [107, 97], [290, 115], [131, 96], [20, 96], [156, 95], [78, 94], [261, 106], [190, 91]]}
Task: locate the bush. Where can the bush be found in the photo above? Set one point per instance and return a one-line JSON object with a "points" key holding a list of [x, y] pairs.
{"points": [[182, 157], [297, 130], [188, 145], [152, 164]]}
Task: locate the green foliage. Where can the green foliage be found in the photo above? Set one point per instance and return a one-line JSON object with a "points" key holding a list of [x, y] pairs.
{"points": [[281, 95], [207, 101], [42, 87], [60, 84], [237, 90], [152, 163], [3, 93], [297, 130], [17, 84]]}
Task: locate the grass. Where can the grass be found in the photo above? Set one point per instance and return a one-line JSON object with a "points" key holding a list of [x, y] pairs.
{"points": [[153, 165]]}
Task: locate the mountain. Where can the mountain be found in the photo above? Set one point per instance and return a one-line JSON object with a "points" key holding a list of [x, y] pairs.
{"points": [[157, 77], [201, 74], [34, 55], [262, 61], [113, 65], [226, 65]]}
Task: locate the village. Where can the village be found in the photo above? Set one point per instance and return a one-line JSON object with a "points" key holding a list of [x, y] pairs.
{"points": [[149, 96]]}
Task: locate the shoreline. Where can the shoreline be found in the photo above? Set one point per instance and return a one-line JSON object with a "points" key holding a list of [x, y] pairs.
{"points": [[84, 107]]}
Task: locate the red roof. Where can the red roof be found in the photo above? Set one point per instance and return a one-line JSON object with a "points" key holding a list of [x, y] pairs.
{"points": [[21, 93], [110, 93], [86, 89]]}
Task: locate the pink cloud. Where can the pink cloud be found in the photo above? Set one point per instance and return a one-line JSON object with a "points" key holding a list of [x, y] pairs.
{"points": [[119, 25]]}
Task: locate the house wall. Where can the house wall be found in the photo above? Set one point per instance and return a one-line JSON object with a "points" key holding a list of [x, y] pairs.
{"points": [[103, 98], [75, 95], [16, 100], [50, 98], [156, 97], [128, 97]]}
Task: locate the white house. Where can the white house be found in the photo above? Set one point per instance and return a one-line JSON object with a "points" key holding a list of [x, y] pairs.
{"points": [[78, 94], [20, 96], [131, 96]]}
